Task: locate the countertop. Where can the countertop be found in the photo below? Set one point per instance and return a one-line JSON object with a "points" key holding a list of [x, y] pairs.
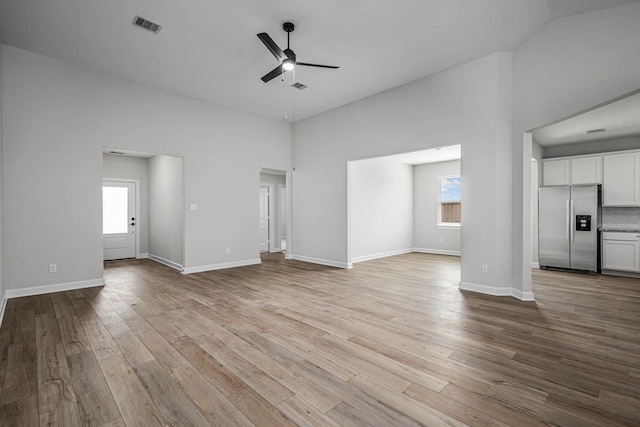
{"points": [[618, 228]]}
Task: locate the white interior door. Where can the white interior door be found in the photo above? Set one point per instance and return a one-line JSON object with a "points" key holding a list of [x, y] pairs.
{"points": [[264, 219], [119, 219]]}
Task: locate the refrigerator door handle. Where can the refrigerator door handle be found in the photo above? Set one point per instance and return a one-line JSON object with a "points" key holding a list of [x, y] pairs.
{"points": [[567, 224], [572, 227]]}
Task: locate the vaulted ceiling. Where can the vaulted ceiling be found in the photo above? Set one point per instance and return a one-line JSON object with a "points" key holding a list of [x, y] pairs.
{"points": [[209, 49]]}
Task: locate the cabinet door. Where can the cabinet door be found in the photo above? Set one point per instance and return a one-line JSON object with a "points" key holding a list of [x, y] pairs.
{"points": [[621, 180], [622, 255], [586, 170], [556, 172]]}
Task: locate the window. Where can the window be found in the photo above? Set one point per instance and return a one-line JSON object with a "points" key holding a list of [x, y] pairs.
{"points": [[449, 201], [115, 210]]}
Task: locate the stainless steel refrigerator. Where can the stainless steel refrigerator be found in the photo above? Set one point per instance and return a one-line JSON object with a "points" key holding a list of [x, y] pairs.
{"points": [[569, 218]]}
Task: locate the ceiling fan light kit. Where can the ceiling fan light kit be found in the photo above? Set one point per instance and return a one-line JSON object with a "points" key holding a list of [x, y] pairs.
{"points": [[287, 58]]}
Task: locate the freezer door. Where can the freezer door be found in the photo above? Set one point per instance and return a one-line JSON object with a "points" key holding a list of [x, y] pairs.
{"points": [[584, 244], [553, 226]]}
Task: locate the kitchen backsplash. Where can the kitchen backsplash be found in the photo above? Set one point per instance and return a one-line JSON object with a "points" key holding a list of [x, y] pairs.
{"points": [[626, 217]]}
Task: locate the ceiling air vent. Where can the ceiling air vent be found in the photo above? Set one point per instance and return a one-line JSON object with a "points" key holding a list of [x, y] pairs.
{"points": [[299, 86], [596, 130], [147, 25]]}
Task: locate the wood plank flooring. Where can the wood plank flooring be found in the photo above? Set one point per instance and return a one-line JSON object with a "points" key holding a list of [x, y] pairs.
{"points": [[392, 342]]}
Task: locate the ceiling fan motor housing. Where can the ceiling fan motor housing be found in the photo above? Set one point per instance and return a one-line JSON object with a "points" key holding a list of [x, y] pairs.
{"points": [[288, 27]]}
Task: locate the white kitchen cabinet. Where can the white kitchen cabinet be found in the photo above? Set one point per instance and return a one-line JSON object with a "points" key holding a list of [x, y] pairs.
{"points": [[556, 172], [621, 180], [586, 170], [621, 251]]}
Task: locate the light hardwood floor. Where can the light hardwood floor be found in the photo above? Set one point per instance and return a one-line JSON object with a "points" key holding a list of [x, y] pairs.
{"points": [[392, 342]]}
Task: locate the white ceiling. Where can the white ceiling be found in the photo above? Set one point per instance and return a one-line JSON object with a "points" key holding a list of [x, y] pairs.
{"points": [[619, 119], [209, 49]]}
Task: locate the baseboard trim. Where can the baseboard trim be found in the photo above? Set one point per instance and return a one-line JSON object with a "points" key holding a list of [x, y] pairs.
{"points": [[59, 287], [522, 296], [143, 256], [210, 267], [380, 255], [495, 291], [164, 261], [436, 251], [322, 261], [535, 264], [3, 306]]}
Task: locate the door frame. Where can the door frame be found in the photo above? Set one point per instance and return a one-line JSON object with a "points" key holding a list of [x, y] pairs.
{"points": [[282, 209], [136, 183], [270, 216]]}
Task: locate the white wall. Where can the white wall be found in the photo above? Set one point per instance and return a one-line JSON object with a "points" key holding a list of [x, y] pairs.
{"points": [[125, 167], [57, 119], [275, 223], [591, 147], [469, 105], [428, 236], [166, 213], [571, 65], [381, 208]]}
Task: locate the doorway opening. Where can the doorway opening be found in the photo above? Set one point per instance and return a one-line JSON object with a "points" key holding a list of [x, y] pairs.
{"points": [[273, 209], [156, 218], [405, 203], [572, 151]]}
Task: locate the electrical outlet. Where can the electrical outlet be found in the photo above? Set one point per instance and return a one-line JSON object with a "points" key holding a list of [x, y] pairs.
{"points": [[228, 251], [441, 240], [53, 268], [485, 268]]}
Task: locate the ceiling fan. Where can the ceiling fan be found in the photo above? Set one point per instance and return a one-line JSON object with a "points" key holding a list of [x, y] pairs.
{"points": [[287, 58]]}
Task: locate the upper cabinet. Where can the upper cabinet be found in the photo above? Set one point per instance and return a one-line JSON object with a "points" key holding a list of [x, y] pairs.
{"points": [[556, 172], [586, 170], [621, 180], [568, 171], [618, 172]]}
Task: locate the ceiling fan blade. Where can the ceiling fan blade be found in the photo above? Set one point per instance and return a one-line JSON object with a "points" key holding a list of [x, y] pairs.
{"points": [[273, 74], [306, 64], [272, 46]]}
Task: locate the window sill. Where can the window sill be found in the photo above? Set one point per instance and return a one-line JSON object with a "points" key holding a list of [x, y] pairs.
{"points": [[445, 226]]}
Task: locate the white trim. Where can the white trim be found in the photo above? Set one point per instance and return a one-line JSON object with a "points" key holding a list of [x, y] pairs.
{"points": [[522, 296], [3, 306], [484, 289], [321, 261], [143, 255], [436, 251], [495, 291], [448, 225], [535, 264], [282, 198], [271, 245], [210, 267], [165, 261], [381, 255], [59, 287], [287, 255]]}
